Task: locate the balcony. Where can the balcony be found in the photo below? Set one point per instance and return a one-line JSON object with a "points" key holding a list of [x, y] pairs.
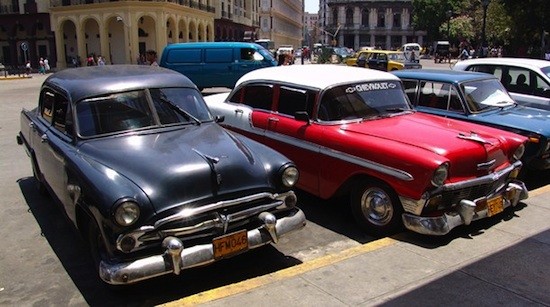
{"points": [[188, 3]]}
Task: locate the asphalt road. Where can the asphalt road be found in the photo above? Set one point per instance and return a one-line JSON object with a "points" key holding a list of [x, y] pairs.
{"points": [[44, 263]]}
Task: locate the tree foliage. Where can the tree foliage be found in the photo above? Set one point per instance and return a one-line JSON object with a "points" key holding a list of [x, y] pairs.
{"points": [[517, 24]]}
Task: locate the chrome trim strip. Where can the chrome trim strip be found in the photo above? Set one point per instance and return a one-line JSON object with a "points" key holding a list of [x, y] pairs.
{"points": [[397, 173]]}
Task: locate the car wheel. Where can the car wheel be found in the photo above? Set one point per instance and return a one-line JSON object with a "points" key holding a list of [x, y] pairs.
{"points": [[376, 208]]}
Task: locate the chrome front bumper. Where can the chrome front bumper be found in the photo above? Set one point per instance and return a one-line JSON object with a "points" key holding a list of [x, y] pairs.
{"points": [[464, 213], [177, 258]]}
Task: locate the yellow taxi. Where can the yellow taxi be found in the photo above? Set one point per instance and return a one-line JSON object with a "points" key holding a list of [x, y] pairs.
{"points": [[385, 60]]}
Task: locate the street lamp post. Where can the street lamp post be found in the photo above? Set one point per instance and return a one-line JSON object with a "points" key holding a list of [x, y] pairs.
{"points": [[449, 15], [485, 4]]}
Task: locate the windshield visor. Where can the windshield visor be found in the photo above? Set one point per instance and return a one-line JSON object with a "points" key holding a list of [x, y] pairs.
{"points": [[363, 101]]}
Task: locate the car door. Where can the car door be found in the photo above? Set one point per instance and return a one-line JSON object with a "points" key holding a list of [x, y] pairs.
{"points": [[379, 61], [295, 137], [54, 141]]}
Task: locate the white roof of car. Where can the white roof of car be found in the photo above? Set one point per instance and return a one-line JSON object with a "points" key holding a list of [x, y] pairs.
{"points": [[316, 75], [520, 62]]}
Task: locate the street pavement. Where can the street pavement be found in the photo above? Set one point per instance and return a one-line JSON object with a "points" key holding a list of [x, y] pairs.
{"points": [[496, 262]]}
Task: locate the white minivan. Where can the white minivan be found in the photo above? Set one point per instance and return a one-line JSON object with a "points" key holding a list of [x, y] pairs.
{"points": [[412, 52]]}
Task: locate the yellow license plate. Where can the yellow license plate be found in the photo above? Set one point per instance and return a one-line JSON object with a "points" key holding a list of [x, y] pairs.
{"points": [[495, 206], [230, 244]]}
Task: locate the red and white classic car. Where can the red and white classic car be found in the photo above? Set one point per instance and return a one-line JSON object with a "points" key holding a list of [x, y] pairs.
{"points": [[353, 132]]}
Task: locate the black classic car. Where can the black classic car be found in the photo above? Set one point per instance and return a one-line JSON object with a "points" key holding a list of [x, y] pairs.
{"points": [[147, 175]]}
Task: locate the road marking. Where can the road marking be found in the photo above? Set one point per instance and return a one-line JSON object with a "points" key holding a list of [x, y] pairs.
{"points": [[540, 191], [290, 272]]}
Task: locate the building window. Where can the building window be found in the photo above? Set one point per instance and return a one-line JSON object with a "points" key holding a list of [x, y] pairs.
{"points": [[381, 20], [349, 16], [365, 18], [397, 20], [335, 17]]}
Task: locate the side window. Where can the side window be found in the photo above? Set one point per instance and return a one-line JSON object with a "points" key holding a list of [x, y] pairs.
{"points": [[292, 100], [46, 106], [455, 104], [434, 95], [520, 80], [410, 89], [256, 96], [541, 86], [250, 54], [62, 119]]}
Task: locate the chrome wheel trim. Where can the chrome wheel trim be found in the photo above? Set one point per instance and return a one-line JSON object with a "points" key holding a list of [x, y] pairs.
{"points": [[376, 206]]}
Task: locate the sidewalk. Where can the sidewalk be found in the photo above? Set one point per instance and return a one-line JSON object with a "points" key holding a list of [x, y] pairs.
{"points": [[503, 262]]}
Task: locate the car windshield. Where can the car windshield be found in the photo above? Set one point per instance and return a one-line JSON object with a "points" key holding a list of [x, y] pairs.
{"points": [[398, 57], [139, 109], [485, 94], [363, 101]]}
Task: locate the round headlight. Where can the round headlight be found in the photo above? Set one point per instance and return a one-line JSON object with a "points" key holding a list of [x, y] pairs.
{"points": [[127, 213], [440, 175], [519, 152], [290, 176]]}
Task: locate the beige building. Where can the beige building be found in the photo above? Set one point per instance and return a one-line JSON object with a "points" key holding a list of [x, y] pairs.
{"points": [[122, 31], [282, 21]]}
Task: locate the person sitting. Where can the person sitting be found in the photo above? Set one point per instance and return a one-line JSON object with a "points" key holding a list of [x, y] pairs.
{"points": [[521, 86]]}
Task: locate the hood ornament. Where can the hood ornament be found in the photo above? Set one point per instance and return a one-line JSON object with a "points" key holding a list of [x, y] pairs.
{"points": [[473, 137]]}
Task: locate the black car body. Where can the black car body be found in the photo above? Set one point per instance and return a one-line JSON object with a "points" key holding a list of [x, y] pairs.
{"points": [[148, 176]]}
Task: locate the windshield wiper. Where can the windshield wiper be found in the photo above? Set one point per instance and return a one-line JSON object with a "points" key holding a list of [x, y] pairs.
{"points": [[398, 110], [181, 111]]}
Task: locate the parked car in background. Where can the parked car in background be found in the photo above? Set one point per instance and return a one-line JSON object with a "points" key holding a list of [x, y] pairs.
{"points": [[353, 133], [480, 98], [384, 60], [215, 64], [147, 175], [527, 80]]}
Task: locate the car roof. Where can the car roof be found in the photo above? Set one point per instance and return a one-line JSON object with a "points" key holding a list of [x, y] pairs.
{"points": [[84, 82], [209, 45], [522, 62], [455, 76], [318, 76]]}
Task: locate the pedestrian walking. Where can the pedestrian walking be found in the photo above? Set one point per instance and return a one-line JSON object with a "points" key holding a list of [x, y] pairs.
{"points": [[151, 56], [46, 65]]}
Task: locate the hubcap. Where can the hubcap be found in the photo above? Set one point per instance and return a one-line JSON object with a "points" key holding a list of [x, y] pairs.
{"points": [[376, 206]]}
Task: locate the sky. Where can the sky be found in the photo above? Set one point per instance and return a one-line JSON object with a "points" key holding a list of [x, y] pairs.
{"points": [[311, 6]]}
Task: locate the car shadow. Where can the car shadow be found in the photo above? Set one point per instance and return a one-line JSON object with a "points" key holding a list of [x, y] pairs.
{"points": [[75, 258]]}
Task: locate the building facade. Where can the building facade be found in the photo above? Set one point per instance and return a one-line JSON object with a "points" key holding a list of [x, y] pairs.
{"points": [[311, 29], [385, 24], [237, 20], [282, 21], [25, 33]]}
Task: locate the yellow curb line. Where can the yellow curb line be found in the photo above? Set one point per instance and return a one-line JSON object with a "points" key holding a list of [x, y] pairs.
{"points": [[256, 282], [539, 191]]}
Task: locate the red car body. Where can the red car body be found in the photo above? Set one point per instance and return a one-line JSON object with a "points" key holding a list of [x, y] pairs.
{"points": [[352, 132]]}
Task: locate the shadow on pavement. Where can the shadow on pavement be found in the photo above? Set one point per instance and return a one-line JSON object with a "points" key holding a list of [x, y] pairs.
{"points": [[73, 254]]}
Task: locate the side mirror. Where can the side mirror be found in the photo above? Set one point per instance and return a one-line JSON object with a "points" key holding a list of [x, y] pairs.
{"points": [[302, 116], [219, 118]]}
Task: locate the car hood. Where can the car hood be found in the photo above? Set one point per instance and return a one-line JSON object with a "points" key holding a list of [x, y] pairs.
{"points": [[518, 117], [465, 145], [183, 164]]}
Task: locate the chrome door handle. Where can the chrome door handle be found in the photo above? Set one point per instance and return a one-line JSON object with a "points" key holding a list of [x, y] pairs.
{"points": [[44, 138]]}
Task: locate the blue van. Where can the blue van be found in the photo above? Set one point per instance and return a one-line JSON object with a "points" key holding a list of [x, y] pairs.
{"points": [[215, 64]]}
